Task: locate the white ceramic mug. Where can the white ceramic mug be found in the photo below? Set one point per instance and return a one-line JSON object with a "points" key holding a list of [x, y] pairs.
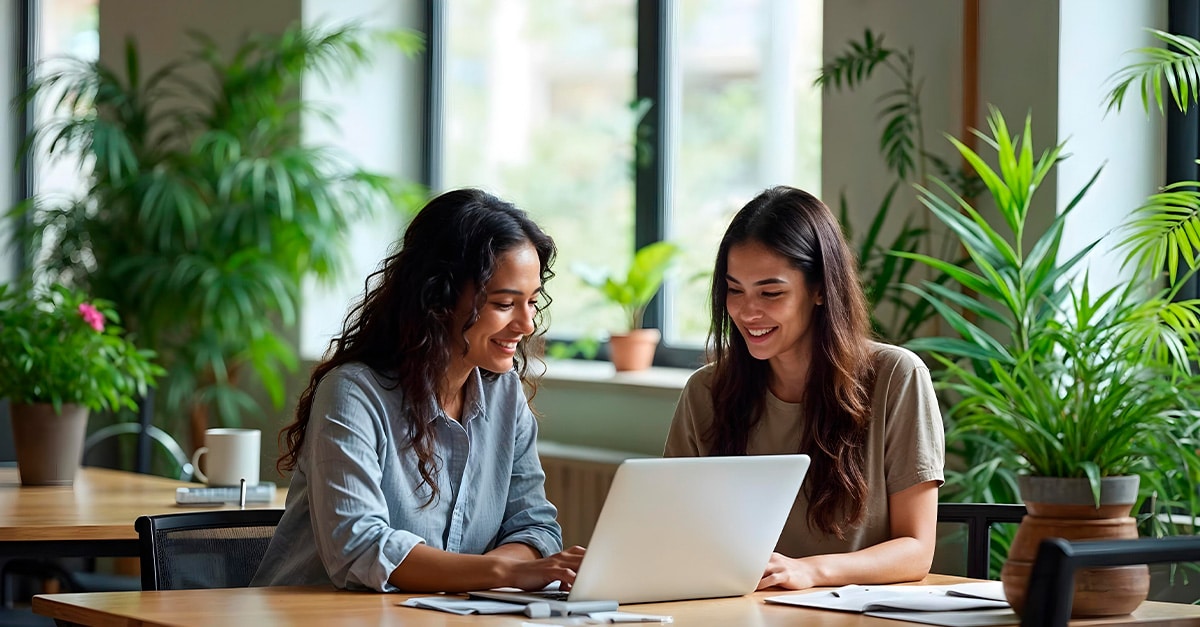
{"points": [[233, 455]]}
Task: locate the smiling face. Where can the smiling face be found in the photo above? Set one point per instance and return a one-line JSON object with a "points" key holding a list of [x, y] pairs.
{"points": [[771, 304], [506, 315]]}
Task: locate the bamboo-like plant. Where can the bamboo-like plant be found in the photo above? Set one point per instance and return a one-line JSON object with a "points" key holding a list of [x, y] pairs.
{"points": [[895, 314], [902, 139], [882, 274], [1075, 384], [205, 209]]}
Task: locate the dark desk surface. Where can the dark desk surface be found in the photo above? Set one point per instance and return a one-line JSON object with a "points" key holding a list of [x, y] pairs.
{"points": [[267, 607]]}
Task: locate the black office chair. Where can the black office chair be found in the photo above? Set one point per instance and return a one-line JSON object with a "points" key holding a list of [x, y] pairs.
{"points": [[1052, 581], [212, 549], [979, 519]]}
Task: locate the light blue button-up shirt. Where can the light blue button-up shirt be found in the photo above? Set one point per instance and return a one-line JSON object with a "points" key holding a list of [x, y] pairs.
{"points": [[355, 507]]}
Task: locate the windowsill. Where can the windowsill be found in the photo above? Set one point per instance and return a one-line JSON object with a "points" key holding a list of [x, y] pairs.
{"points": [[601, 374], [590, 404]]}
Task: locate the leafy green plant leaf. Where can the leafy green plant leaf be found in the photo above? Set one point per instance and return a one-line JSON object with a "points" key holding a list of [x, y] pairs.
{"points": [[1177, 64], [641, 282]]}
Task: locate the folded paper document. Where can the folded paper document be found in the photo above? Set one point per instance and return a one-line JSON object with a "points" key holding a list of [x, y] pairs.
{"points": [[459, 605], [957, 618], [983, 596]]}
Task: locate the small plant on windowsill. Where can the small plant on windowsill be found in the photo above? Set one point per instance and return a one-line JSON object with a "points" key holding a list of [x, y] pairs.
{"points": [[633, 348]]}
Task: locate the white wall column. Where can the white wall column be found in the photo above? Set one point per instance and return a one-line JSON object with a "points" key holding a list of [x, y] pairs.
{"points": [[1094, 39]]}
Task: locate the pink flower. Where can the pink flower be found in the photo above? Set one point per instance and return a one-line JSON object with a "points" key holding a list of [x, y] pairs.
{"points": [[92, 316]]}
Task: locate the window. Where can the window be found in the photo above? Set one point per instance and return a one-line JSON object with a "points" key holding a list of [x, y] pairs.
{"points": [[541, 103], [748, 118], [538, 102], [65, 28], [56, 29]]}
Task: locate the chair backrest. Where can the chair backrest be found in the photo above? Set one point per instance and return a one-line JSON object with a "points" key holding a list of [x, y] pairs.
{"points": [[8, 452], [148, 433], [1052, 581], [979, 518], [210, 549]]}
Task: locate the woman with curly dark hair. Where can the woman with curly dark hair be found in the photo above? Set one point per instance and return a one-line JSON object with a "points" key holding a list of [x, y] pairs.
{"points": [[794, 370], [414, 448]]}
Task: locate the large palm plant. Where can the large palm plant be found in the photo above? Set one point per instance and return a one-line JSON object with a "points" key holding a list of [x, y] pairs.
{"points": [[1073, 384], [205, 209]]}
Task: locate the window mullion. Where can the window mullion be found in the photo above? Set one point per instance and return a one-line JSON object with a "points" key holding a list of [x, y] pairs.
{"points": [[25, 56], [652, 134], [435, 81], [1183, 130]]}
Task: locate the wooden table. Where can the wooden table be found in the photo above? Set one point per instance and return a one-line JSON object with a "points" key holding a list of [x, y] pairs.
{"points": [[267, 607], [93, 518]]}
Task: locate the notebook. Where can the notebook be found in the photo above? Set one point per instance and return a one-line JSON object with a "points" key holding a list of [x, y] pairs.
{"points": [[682, 528]]}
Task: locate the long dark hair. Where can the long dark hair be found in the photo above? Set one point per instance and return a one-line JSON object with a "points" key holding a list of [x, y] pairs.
{"points": [[403, 327], [799, 227]]}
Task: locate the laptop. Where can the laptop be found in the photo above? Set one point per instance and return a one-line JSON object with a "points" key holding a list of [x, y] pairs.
{"points": [[680, 528]]}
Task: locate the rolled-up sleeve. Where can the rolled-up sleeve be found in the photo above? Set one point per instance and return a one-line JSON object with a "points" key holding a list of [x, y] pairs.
{"points": [[529, 518], [350, 516]]}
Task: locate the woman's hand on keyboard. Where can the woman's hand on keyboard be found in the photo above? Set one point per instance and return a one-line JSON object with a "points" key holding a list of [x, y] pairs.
{"points": [[536, 574]]}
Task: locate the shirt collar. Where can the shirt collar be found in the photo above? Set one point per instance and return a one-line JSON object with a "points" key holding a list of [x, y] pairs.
{"points": [[472, 400]]}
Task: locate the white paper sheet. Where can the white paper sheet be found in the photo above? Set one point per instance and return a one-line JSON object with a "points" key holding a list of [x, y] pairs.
{"points": [[892, 598]]}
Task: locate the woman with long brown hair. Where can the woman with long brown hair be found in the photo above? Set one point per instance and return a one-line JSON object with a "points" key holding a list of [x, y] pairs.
{"points": [[414, 448], [794, 370]]}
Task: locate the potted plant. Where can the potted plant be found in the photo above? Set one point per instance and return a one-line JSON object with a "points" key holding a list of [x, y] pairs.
{"points": [[62, 355], [1092, 396], [205, 214], [632, 348]]}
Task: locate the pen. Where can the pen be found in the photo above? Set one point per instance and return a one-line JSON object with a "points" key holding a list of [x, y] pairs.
{"points": [[626, 617], [849, 590]]}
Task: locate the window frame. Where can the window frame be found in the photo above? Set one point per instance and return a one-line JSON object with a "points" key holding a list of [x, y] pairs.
{"points": [[25, 18], [1183, 130]]}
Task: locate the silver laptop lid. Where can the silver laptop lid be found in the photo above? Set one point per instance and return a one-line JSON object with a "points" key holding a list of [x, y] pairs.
{"points": [[688, 527]]}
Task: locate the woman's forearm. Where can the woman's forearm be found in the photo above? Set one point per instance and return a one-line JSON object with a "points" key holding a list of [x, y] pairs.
{"points": [[897, 560], [427, 569], [515, 550]]}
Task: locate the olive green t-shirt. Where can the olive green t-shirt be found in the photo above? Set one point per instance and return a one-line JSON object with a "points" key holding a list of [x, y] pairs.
{"points": [[905, 445]]}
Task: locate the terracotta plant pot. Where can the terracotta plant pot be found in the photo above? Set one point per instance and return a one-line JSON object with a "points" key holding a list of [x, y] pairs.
{"points": [[49, 445], [1064, 508], [633, 350]]}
